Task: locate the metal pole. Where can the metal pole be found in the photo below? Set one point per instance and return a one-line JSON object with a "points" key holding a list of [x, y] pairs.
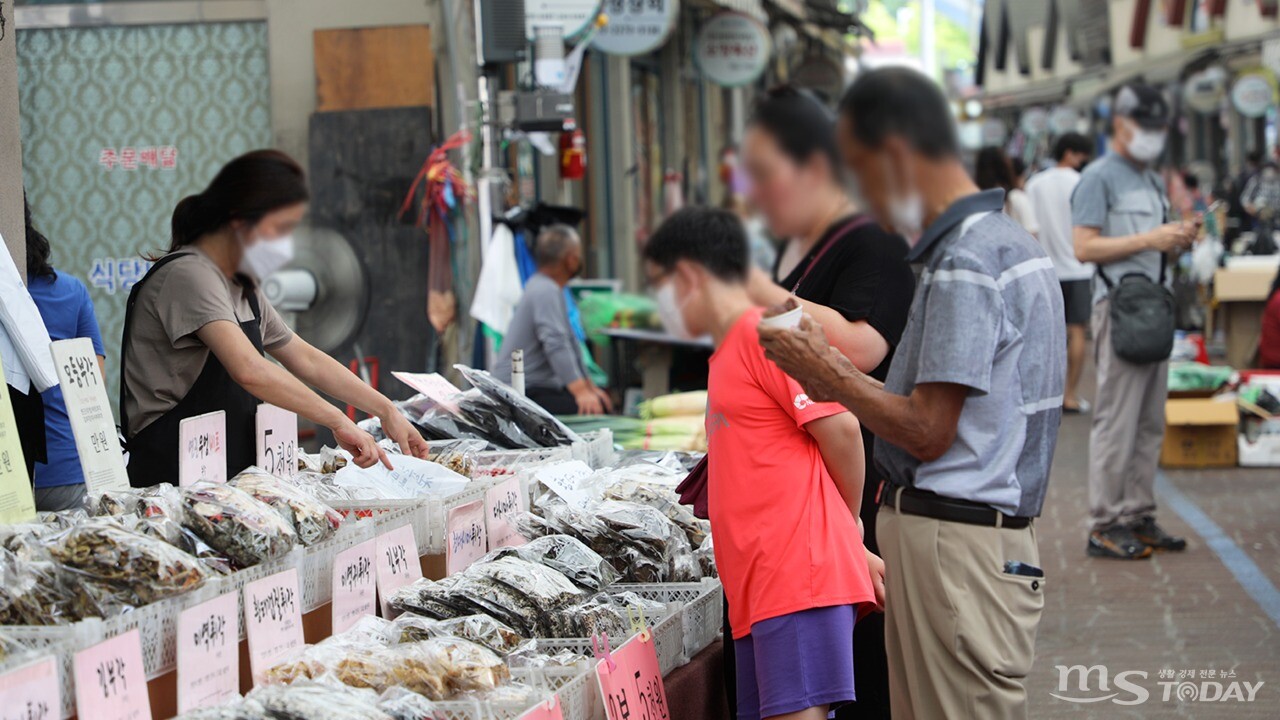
{"points": [[517, 371], [928, 51]]}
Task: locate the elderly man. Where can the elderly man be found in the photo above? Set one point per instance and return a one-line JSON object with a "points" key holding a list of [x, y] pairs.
{"points": [[967, 420], [555, 376]]}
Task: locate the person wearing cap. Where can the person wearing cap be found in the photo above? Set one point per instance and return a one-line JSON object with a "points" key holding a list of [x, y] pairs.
{"points": [[1120, 215]]}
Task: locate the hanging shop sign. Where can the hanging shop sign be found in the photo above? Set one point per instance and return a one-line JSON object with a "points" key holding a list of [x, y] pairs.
{"points": [[636, 28], [571, 16], [1203, 91], [1064, 119], [1034, 121], [732, 49], [1253, 93], [822, 75]]}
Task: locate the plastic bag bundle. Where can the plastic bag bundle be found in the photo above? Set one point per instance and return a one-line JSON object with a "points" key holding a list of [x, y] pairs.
{"points": [[475, 416], [572, 558], [442, 667], [312, 520], [34, 591], [241, 709], [232, 521], [428, 597], [548, 589], [532, 420], [532, 657], [457, 455], [402, 704], [706, 555], [598, 615], [480, 629], [125, 569], [318, 701], [157, 512], [666, 501]]}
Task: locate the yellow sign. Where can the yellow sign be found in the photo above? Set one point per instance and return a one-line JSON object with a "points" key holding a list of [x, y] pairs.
{"points": [[17, 503]]}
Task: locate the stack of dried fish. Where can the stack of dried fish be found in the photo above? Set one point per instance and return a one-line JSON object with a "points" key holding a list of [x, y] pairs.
{"points": [[232, 521], [313, 521]]}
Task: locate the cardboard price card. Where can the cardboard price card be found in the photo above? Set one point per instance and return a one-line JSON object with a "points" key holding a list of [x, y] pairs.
{"points": [[549, 710], [465, 538], [202, 448], [272, 619], [31, 692], [208, 653], [354, 585], [92, 424], [502, 503], [277, 440], [632, 688], [564, 479], [17, 501], [398, 564], [433, 385], [110, 679]]}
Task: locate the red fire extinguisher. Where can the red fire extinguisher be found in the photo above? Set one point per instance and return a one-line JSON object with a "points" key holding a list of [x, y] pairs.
{"points": [[573, 153]]}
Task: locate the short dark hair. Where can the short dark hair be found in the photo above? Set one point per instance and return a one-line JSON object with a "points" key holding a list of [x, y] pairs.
{"points": [[1255, 157], [903, 102], [1071, 142], [38, 249], [800, 124], [552, 244], [992, 169], [709, 237]]}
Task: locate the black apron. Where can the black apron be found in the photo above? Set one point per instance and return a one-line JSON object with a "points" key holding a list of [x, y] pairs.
{"points": [[153, 451]]}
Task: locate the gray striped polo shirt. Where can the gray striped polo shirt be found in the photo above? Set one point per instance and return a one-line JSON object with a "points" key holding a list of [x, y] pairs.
{"points": [[987, 314]]}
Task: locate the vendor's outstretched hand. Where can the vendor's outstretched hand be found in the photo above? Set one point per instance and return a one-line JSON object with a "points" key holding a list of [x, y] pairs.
{"points": [[406, 436], [363, 448], [804, 354]]}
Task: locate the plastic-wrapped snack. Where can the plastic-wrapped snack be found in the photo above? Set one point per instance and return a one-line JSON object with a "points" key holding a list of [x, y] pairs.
{"points": [[549, 589], [318, 701], [596, 616], [441, 667], [427, 597], [534, 421], [313, 521], [171, 531], [115, 502], [571, 557], [239, 709], [481, 594], [372, 630], [326, 462], [457, 455], [533, 657], [130, 568], [63, 519], [667, 502], [247, 531], [35, 591], [479, 629], [511, 695], [534, 526], [403, 704], [706, 555], [27, 540]]}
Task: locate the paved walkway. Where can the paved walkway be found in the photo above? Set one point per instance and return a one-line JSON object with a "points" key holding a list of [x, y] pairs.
{"points": [[1194, 611]]}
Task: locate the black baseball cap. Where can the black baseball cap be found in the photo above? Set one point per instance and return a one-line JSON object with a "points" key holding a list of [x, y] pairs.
{"points": [[1143, 104]]}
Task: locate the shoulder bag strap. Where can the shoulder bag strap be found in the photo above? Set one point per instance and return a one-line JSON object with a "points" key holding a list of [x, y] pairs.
{"points": [[854, 224]]}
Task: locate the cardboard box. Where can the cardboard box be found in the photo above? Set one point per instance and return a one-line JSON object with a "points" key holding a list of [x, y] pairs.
{"points": [[1199, 434], [1243, 284]]}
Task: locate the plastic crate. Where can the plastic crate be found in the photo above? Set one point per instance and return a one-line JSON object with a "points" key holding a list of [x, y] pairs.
{"points": [[498, 464], [596, 449], [62, 641], [157, 626], [701, 604], [575, 686], [668, 640], [236, 581], [316, 572], [391, 514], [439, 511]]}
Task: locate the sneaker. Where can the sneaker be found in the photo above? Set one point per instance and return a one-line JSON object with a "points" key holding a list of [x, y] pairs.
{"points": [[1152, 535], [1082, 406], [1118, 543]]}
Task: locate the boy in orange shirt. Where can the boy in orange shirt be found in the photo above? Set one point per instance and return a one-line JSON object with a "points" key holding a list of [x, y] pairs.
{"points": [[784, 484]]}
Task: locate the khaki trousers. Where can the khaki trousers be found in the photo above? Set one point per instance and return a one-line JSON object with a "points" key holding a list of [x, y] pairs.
{"points": [[959, 631], [1128, 428]]}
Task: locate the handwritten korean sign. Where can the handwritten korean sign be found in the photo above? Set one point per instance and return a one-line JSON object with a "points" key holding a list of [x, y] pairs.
{"points": [[354, 585], [564, 479], [398, 564], [272, 619], [92, 423], [17, 503], [110, 679], [502, 503], [31, 692], [209, 653], [465, 538], [202, 448], [277, 444], [632, 689]]}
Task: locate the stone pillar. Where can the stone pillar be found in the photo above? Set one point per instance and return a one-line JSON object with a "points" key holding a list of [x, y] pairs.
{"points": [[11, 223]]}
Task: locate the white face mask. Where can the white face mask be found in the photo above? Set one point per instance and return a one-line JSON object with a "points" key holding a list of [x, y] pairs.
{"points": [[906, 214], [1146, 145], [265, 257], [669, 310]]}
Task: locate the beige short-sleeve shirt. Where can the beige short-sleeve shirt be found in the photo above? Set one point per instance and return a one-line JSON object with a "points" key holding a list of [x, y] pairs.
{"points": [[164, 356]]}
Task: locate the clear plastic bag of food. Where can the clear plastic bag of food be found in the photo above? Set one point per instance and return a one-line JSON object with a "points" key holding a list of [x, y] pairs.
{"points": [[533, 657], [480, 629], [27, 540], [665, 500], [428, 597], [63, 519], [326, 462], [403, 704], [232, 521], [128, 568], [706, 556], [238, 709], [530, 417], [34, 590], [457, 455], [598, 615], [549, 589], [584, 566], [318, 701], [475, 593], [442, 667], [312, 520], [475, 417], [353, 659]]}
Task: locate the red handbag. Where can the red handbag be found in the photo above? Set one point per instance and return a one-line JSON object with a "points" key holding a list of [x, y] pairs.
{"points": [[693, 490]]}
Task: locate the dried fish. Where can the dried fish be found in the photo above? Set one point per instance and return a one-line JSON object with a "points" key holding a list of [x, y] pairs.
{"points": [[317, 701], [480, 629], [122, 568]]}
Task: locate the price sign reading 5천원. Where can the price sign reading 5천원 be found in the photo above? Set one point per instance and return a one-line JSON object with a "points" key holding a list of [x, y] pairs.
{"points": [[277, 446], [92, 423]]}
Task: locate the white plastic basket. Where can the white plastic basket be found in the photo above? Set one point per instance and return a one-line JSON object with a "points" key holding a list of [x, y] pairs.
{"points": [[575, 686], [668, 640], [157, 626], [499, 464], [236, 581], [316, 574], [391, 514], [62, 641], [701, 608]]}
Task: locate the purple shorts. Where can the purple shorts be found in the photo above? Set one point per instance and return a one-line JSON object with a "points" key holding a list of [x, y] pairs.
{"points": [[796, 661]]}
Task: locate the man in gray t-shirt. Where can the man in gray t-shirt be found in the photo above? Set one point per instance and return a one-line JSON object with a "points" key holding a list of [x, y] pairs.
{"points": [[1120, 212]]}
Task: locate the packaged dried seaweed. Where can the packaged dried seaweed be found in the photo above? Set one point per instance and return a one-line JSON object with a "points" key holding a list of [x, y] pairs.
{"points": [[535, 657], [239, 709], [428, 597], [312, 520], [122, 568], [479, 629], [572, 558], [530, 417], [232, 521], [318, 701], [665, 500], [403, 704]]}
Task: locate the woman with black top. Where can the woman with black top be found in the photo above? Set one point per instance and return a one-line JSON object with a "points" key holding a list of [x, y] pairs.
{"points": [[847, 272]]}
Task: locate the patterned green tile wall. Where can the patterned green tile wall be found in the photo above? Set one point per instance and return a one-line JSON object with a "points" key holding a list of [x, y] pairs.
{"points": [[118, 124]]}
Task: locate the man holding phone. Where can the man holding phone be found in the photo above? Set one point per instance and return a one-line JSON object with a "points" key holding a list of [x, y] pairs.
{"points": [[1120, 212]]}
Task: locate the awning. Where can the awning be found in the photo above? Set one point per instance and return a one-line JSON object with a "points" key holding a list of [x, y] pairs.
{"points": [[754, 8], [1046, 92]]}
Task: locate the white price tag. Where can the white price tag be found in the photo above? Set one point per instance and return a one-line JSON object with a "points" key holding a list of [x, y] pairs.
{"points": [[354, 585], [32, 692], [277, 443], [202, 448], [272, 619], [208, 653], [92, 423], [564, 479], [398, 564], [502, 503]]}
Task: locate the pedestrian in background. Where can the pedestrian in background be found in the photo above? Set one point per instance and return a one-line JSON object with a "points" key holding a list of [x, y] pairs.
{"points": [[991, 170], [1261, 199], [1120, 212], [67, 310], [1050, 194], [966, 422]]}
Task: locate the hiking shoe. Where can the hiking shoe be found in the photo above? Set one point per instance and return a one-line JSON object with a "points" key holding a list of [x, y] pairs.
{"points": [[1118, 543], [1152, 535]]}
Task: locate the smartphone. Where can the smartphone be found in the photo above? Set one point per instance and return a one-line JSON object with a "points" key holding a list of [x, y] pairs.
{"points": [[1015, 567], [1214, 207]]}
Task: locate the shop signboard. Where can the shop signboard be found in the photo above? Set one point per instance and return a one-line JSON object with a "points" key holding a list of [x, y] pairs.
{"points": [[17, 503], [110, 680], [354, 585], [84, 391], [202, 448], [1203, 91], [277, 440], [1253, 93], [1034, 121], [571, 16], [272, 619], [636, 28], [208, 653], [465, 537], [631, 682], [732, 49], [994, 132], [33, 690], [398, 565]]}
